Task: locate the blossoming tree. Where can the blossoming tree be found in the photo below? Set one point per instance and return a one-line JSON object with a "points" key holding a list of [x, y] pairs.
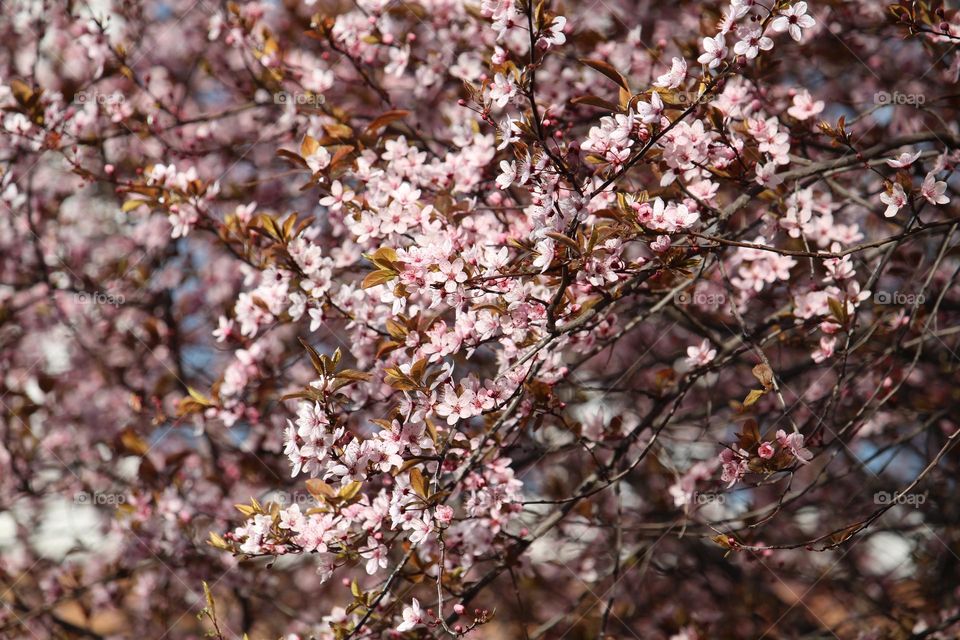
{"points": [[487, 318]]}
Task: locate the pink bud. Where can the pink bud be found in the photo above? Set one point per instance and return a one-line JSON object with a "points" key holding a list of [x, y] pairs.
{"points": [[444, 514]]}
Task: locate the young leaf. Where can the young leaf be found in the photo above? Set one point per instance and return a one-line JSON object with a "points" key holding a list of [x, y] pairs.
{"points": [[350, 491], [418, 482], [753, 396], [320, 489]]}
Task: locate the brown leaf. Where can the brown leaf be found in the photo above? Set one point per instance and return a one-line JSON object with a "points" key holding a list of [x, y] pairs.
{"points": [[320, 489], [750, 436], [133, 443], [378, 277], [608, 70], [315, 358], [764, 375], [753, 396], [21, 91], [292, 157], [838, 309], [385, 119], [309, 146], [396, 330], [130, 205], [564, 239], [418, 482], [398, 380], [386, 347], [350, 491], [385, 258], [338, 131], [353, 374], [218, 543], [594, 101]]}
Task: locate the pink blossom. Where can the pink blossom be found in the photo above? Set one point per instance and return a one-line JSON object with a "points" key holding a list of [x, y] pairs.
{"points": [[554, 35], [895, 199], [905, 159], [825, 351], [444, 514], [502, 90], [793, 20], [338, 197], [714, 51], [455, 407], [804, 106], [423, 260], [700, 355], [934, 191], [412, 616], [794, 444], [734, 466], [376, 556], [673, 78], [751, 43], [318, 160]]}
